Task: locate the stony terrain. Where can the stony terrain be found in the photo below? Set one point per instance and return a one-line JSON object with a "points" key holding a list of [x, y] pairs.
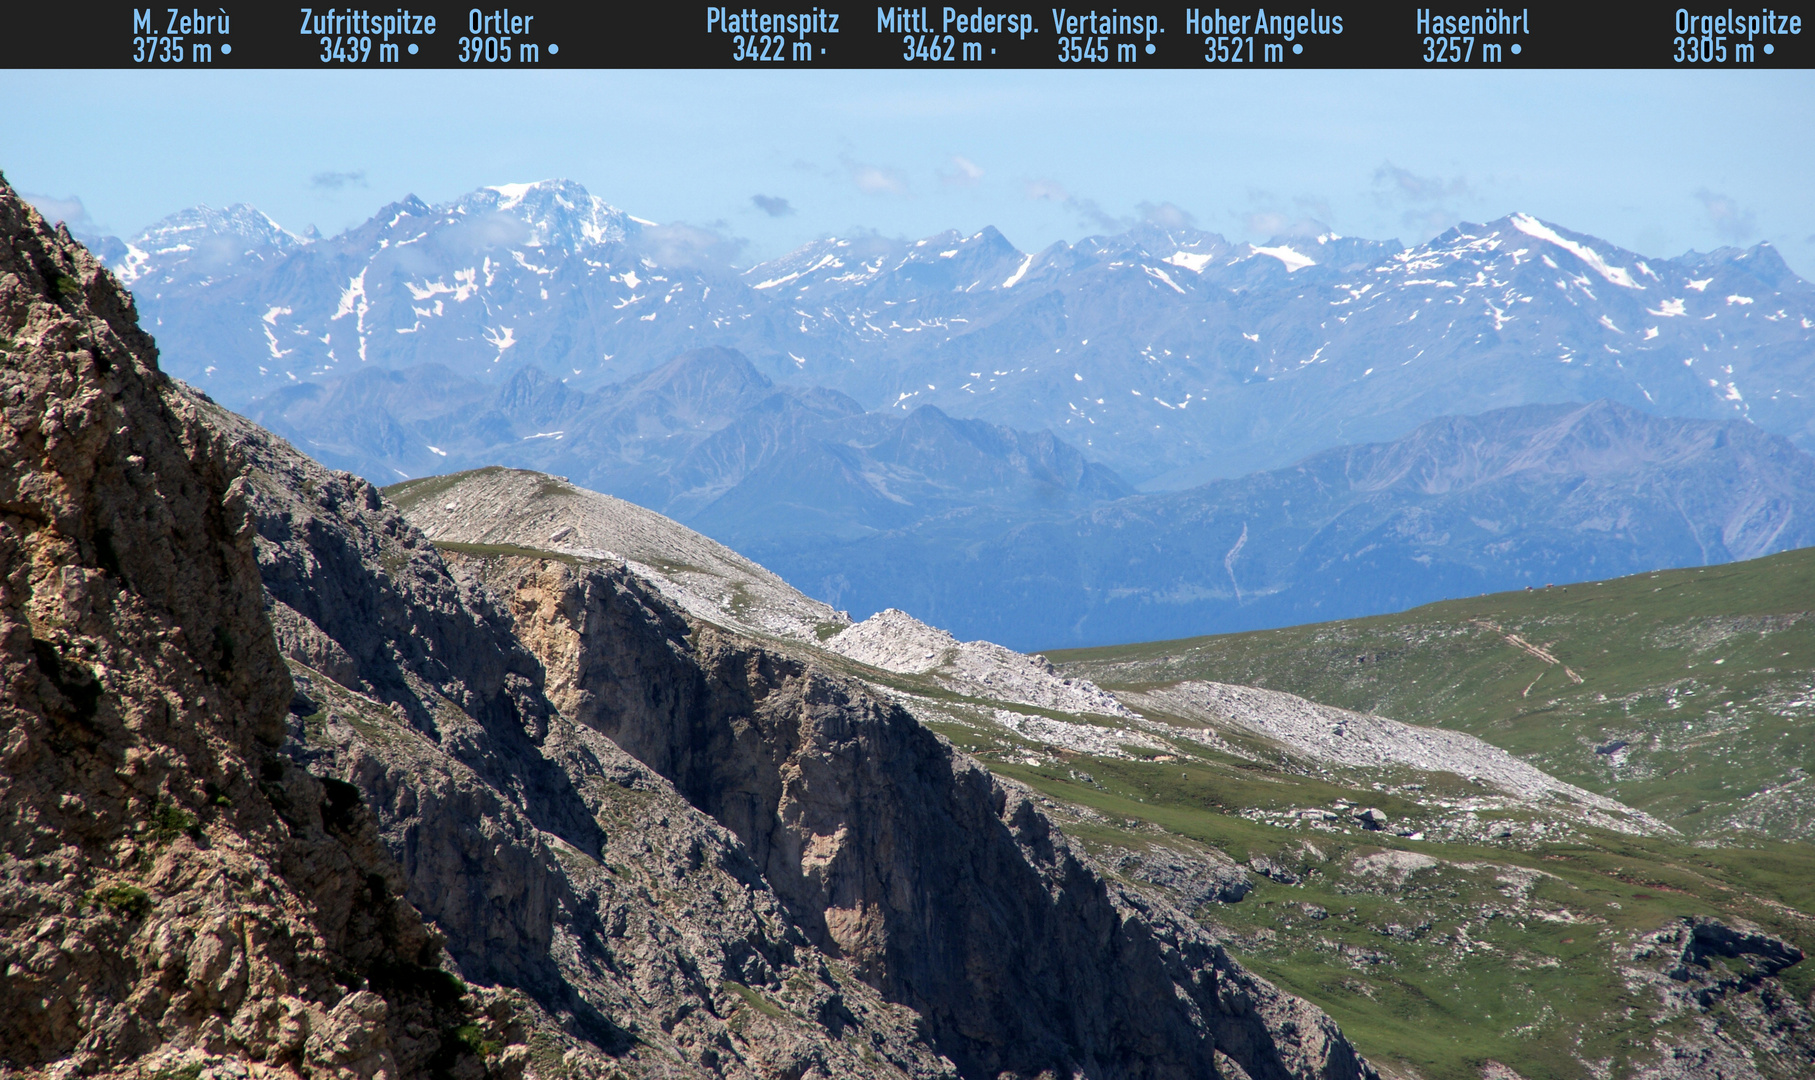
{"points": [[178, 896], [1361, 740], [514, 508], [505, 812], [896, 641]]}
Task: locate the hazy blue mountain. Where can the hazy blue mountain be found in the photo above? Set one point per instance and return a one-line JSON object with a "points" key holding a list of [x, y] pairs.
{"points": [[1171, 355], [705, 438], [865, 473], [1523, 496]]}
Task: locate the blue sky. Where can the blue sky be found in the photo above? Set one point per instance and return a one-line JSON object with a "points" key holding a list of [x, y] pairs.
{"points": [[1658, 162]]}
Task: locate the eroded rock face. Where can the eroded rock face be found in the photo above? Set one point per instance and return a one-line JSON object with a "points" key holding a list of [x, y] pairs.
{"points": [[896, 641], [1340, 737], [172, 889], [642, 934], [1196, 878], [256, 730], [947, 888]]}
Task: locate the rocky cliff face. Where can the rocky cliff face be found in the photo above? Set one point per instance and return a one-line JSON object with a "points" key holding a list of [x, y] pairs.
{"points": [[643, 935], [678, 830], [288, 793], [175, 893], [673, 897], [946, 889]]}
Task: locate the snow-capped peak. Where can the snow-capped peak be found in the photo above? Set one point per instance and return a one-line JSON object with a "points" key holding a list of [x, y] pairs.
{"points": [[238, 219], [560, 213], [513, 193], [202, 230], [1532, 227], [1292, 258]]}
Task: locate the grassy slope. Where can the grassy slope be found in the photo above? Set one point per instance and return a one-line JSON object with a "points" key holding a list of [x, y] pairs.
{"points": [[1456, 965], [1452, 967], [1706, 674]]}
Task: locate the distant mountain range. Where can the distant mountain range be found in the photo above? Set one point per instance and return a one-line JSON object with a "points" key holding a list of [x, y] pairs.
{"points": [[1017, 537], [705, 438], [959, 428], [1171, 355], [1516, 497]]}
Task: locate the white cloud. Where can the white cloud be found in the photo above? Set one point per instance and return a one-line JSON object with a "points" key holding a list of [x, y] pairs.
{"points": [[1732, 222], [876, 179], [68, 210], [963, 173]]}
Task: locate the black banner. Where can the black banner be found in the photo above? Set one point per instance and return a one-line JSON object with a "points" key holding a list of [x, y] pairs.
{"points": [[974, 35]]}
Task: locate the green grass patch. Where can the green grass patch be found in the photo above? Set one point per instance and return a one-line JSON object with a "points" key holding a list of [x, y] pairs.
{"points": [[1490, 953], [169, 821], [755, 999], [505, 551], [1697, 679], [472, 1037], [128, 900]]}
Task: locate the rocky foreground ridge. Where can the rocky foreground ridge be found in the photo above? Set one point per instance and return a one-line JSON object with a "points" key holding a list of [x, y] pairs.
{"points": [[288, 792], [173, 888]]}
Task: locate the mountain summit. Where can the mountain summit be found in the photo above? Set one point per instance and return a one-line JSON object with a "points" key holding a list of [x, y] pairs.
{"points": [[1171, 355], [290, 792]]}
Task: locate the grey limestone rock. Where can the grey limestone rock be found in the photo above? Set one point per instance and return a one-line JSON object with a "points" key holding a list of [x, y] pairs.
{"points": [[174, 893], [946, 888], [288, 793]]}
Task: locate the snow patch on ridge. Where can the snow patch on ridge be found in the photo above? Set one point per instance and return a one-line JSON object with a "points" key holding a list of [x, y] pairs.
{"points": [[1155, 271], [1020, 272], [512, 193], [1531, 226], [1294, 260]]}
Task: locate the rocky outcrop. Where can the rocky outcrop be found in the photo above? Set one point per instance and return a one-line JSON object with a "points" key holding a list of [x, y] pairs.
{"points": [[896, 641], [1323, 733], [555, 865], [946, 888], [1195, 877], [1697, 965], [287, 794], [851, 874], [493, 509], [174, 893]]}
